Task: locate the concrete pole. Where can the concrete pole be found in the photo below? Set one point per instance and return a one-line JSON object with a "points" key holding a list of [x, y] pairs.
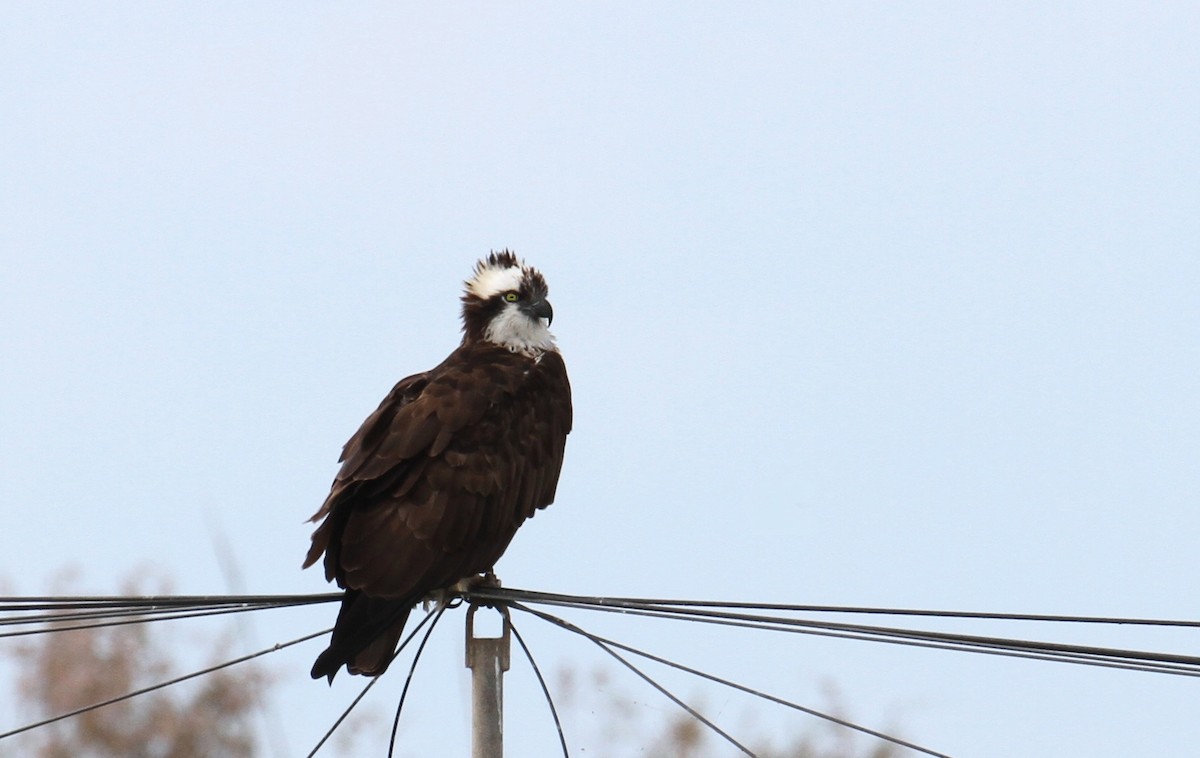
{"points": [[487, 657]]}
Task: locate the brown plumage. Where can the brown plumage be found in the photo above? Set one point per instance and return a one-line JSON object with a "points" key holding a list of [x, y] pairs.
{"points": [[436, 481]]}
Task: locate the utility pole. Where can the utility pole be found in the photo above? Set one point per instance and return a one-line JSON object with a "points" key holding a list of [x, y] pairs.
{"points": [[487, 657]]}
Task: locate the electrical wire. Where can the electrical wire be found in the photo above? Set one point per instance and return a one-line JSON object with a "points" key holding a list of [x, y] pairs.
{"points": [[513, 593], [59, 602], [160, 685], [728, 683], [562, 739], [603, 645], [412, 670], [1139, 660], [121, 619], [366, 689], [49, 614]]}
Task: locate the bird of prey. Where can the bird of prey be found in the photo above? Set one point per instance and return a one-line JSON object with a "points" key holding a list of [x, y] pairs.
{"points": [[436, 481]]}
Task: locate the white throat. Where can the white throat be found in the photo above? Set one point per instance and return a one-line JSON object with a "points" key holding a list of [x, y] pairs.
{"points": [[514, 330]]}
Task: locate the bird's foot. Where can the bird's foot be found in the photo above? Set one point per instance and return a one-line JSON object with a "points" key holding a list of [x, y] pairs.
{"points": [[447, 595]]}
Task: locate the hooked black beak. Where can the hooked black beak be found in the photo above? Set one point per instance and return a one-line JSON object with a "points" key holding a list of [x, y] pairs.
{"points": [[542, 309]]}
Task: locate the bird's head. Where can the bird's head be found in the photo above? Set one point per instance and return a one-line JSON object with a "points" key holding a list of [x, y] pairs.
{"points": [[505, 303]]}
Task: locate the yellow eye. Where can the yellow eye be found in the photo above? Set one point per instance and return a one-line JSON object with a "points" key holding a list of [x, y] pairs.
{"points": [[511, 297]]}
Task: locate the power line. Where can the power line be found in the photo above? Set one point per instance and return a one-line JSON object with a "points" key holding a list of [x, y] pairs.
{"points": [[48, 614], [408, 680], [603, 642], [604, 645], [57, 623], [562, 739], [59, 602], [94, 606], [51, 614], [1137, 660], [160, 685], [532, 596], [374, 680]]}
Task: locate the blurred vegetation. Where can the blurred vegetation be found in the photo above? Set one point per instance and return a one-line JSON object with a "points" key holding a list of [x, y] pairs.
{"points": [[60, 671]]}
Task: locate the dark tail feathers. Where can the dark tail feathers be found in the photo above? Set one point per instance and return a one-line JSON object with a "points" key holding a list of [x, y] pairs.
{"points": [[365, 636]]}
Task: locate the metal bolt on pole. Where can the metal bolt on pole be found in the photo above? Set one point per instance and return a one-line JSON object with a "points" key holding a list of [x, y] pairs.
{"points": [[487, 657]]}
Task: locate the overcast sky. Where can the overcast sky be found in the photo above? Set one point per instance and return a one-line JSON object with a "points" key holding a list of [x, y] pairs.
{"points": [[863, 304]]}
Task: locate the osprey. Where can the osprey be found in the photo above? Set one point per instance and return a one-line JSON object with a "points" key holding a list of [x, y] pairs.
{"points": [[436, 481]]}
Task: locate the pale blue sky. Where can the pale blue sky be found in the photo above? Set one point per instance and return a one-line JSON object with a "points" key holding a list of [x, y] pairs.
{"points": [[863, 304]]}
